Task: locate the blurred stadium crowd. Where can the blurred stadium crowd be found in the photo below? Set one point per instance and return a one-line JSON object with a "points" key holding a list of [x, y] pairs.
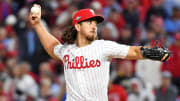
{"points": [[27, 73]]}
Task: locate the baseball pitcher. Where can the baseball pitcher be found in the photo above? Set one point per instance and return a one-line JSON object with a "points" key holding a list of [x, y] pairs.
{"points": [[87, 59]]}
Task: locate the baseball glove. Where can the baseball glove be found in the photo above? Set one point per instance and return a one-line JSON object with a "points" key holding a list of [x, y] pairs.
{"points": [[156, 53]]}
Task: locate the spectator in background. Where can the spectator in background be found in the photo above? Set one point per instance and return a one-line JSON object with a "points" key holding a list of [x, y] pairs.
{"points": [[166, 92], [46, 84], [170, 4], [116, 93], [109, 32], [145, 69], [157, 25], [97, 7], [144, 7], [138, 92], [131, 14], [25, 86], [81, 3], [111, 4], [150, 36], [117, 19], [126, 36], [65, 17], [26, 68], [155, 10], [46, 72], [3, 95], [173, 64], [44, 67], [172, 23], [53, 4], [62, 6], [124, 74], [7, 76]]}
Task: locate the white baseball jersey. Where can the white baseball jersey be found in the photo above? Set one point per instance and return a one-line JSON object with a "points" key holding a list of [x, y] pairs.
{"points": [[86, 68]]}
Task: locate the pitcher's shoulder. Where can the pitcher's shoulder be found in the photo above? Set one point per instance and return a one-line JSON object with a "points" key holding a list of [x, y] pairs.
{"points": [[99, 41], [102, 42]]}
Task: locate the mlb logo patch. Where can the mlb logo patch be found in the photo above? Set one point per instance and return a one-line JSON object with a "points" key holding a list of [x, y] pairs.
{"points": [[77, 18]]}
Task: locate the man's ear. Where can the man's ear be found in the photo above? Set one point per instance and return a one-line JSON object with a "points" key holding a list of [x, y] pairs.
{"points": [[77, 27]]}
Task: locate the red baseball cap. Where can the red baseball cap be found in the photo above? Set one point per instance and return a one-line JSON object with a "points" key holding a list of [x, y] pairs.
{"points": [[85, 14]]}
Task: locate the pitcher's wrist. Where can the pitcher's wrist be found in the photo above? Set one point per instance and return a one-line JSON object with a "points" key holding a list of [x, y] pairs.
{"points": [[36, 25]]}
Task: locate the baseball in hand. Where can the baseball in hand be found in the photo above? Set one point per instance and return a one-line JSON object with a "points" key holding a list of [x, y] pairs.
{"points": [[35, 10]]}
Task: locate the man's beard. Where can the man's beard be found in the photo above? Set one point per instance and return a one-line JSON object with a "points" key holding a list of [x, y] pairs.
{"points": [[91, 38]]}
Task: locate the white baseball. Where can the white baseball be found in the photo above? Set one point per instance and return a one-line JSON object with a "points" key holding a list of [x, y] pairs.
{"points": [[35, 10]]}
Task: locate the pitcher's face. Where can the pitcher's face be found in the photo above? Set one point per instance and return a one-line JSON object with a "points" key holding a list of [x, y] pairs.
{"points": [[88, 29]]}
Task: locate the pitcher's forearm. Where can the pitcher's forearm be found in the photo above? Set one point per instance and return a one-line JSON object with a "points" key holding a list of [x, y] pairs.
{"points": [[47, 40], [134, 53]]}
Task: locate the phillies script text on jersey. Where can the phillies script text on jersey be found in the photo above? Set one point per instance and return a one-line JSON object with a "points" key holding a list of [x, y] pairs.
{"points": [[79, 62]]}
